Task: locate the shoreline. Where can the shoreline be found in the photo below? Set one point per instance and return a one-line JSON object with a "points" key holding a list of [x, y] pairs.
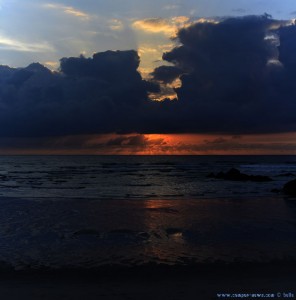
{"points": [[284, 267]]}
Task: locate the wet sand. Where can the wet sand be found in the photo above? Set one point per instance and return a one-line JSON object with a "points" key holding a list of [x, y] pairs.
{"points": [[196, 282], [85, 233], [163, 249]]}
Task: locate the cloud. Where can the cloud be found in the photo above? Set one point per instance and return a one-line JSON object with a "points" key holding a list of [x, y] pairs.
{"points": [[168, 27], [8, 43], [154, 25], [116, 25], [122, 144], [144, 49], [228, 145], [65, 33], [194, 144], [233, 78], [171, 6], [69, 10], [150, 144], [53, 65], [104, 93], [230, 80], [166, 74], [239, 10], [180, 20], [135, 142]]}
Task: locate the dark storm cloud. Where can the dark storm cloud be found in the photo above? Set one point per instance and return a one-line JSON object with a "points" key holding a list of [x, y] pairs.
{"points": [[104, 93], [109, 66], [238, 76], [166, 74], [234, 81]]}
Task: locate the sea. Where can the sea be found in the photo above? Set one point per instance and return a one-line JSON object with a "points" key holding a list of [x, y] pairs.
{"points": [[86, 212]]}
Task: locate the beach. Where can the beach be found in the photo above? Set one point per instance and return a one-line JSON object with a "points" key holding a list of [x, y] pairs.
{"points": [[199, 282], [165, 258], [230, 237]]}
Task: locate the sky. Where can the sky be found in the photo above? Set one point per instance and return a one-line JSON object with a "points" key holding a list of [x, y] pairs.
{"points": [[183, 77], [45, 31]]}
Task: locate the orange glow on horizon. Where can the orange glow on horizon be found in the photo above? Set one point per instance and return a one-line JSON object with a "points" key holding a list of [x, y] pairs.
{"points": [[153, 144]]}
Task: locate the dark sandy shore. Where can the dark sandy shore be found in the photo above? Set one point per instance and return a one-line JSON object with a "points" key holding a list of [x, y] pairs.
{"points": [[154, 282], [190, 249]]}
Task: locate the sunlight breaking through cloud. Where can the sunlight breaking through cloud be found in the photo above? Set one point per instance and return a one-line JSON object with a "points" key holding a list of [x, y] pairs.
{"points": [[168, 27]]}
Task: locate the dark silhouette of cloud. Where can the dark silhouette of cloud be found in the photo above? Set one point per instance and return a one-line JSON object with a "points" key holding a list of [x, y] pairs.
{"points": [[238, 76], [166, 74], [89, 95]]}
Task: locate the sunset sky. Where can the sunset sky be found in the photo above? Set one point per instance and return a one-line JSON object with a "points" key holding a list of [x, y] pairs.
{"points": [[183, 77]]}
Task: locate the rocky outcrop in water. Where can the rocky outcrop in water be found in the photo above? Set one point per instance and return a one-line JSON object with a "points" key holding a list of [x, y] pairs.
{"points": [[290, 188], [236, 175]]}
